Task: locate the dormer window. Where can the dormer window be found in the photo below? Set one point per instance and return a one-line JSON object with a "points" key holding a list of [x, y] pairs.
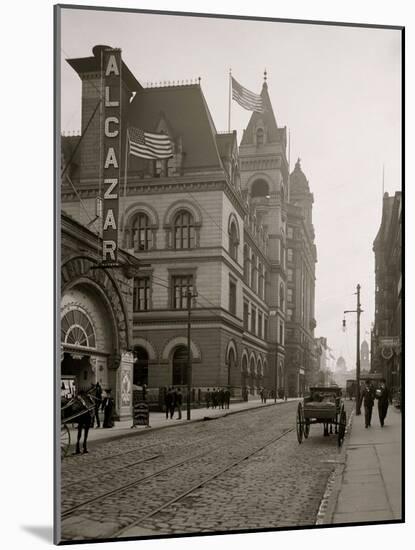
{"points": [[260, 137]]}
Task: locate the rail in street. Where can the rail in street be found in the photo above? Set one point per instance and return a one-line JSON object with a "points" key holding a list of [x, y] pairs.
{"points": [[244, 471]]}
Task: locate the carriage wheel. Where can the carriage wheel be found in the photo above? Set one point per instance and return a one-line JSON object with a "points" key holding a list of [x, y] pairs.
{"points": [[65, 440], [341, 427], [300, 421], [306, 428]]}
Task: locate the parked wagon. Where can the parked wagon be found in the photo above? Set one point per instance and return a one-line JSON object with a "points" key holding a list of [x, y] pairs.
{"points": [[324, 406], [74, 411]]}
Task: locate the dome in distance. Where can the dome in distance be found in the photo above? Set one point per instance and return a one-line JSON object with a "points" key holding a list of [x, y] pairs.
{"points": [[298, 180]]}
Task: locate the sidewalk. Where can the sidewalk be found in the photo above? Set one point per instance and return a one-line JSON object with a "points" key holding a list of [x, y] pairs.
{"points": [[371, 484], [158, 420]]}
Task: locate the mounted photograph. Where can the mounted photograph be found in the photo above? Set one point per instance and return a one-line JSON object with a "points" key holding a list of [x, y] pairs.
{"points": [[229, 320]]}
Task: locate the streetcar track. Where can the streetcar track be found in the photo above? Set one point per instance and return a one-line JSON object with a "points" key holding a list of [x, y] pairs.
{"points": [[100, 474], [138, 481], [69, 511], [142, 460], [201, 484]]}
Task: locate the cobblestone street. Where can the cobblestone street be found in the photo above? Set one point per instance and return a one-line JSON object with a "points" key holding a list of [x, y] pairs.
{"points": [[244, 471]]}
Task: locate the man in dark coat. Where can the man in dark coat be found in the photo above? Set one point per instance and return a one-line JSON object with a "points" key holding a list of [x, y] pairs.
{"points": [[383, 397], [214, 398], [227, 398], [208, 398], [168, 401], [178, 400], [368, 399], [220, 398]]}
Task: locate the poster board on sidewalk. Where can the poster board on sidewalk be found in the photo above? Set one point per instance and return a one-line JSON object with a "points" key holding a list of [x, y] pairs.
{"points": [[141, 410]]}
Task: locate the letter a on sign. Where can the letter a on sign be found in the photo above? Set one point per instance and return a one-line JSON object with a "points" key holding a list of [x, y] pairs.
{"points": [[112, 67]]}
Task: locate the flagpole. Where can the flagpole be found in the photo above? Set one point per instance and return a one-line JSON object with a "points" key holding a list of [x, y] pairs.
{"points": [[229, 107], [289, 162]]}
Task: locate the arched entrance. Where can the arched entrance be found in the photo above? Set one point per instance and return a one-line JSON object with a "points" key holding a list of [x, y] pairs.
{"points": [[79, 346], [140, 372], [179, 366]]}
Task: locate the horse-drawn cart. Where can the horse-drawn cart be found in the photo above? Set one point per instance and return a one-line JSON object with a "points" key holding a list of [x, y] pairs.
{"points": [[324, 406], [73, 411]]}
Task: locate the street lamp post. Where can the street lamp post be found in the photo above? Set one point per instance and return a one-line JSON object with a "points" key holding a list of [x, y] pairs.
{"points": [[358, 311]]}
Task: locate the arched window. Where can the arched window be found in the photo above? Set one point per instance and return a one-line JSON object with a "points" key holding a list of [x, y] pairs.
{"points": [[141, 233], [260, 188], [260, 137], [180, 366], [184, 230], [233, 241], [77, 329], [140, 374], [282, 297]]}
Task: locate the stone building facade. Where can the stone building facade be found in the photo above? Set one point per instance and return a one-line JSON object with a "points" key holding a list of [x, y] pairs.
{"points": [[210, 221], [387, 331], [96, 318]]}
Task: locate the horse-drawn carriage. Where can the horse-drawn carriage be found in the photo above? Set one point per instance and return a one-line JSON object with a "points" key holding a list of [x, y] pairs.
{"points": [[324, 406], [77, 410]]}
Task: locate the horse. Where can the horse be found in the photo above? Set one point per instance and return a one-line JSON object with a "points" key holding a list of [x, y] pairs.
{"points": [[79, 410]]}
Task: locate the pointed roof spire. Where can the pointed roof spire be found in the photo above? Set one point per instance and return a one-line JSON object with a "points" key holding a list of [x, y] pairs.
{"points": [[267, 118]]}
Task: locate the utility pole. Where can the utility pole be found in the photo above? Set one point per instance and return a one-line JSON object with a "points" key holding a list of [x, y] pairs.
{"points": [[189, 295], [358, 311]]}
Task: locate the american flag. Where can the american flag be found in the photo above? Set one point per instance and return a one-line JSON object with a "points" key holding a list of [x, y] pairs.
{"points": [[149, 146], [246, 99]]}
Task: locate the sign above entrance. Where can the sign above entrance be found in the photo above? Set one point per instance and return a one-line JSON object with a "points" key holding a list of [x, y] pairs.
{"points": [[112, 153]]}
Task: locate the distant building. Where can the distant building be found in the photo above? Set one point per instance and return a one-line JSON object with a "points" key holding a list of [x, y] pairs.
{"points": [[387, 330], [301, 360], [323, 360], [364, 357]]}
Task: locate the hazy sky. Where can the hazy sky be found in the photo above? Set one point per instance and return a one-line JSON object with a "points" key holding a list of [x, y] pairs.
{"points": [[337, 89]]}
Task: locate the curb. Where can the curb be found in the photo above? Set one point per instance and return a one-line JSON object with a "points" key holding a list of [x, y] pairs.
{"points": [[184, 422], [328, 503]]}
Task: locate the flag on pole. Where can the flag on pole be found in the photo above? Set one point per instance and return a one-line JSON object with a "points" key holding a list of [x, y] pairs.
{"points": [[149, 146], [246, 99]]}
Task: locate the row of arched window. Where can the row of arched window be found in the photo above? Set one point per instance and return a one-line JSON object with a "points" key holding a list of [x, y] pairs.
{"points": [[139, 232]]}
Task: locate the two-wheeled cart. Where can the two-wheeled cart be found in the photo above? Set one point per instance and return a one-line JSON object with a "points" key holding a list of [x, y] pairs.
{"points": [[72, 411], [324, 406]]}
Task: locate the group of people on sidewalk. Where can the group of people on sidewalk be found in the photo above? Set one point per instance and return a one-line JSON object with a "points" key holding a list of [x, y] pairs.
{"points": [[369, 394], [173, 400], [218, 398]]}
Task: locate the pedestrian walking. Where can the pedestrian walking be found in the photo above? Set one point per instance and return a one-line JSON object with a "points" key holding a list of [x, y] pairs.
{"points": [[221, 398], [383, 396], [264, 394], [214, 398], [208, 398], [227, 398], [168, 401], [368, 399], [98, 402], [108, 408], [173, 402], [178, 403]]}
